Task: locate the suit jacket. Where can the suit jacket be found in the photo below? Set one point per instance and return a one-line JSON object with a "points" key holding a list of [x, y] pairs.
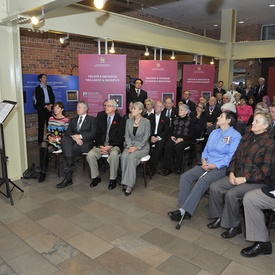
{"points": [[174, 112], [87, 130], [214, 115], [163, 126], [259, 97], [191, 104], [141, 139], [216, 90], [133, 95], [116, 132], [40, 97]]}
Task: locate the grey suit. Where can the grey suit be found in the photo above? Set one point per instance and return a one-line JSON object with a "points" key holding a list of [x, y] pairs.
{"points": [[129, 161]]}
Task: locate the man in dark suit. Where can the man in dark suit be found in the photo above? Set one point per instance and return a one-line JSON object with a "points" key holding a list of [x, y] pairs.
{"points": [[136, 93], [261, 91], [160, 128], [219, 88], [169, 110], [109, 141], [187, 101], [43, 102], [78, 139], [129, 87], [212, 112], [219, 97]]}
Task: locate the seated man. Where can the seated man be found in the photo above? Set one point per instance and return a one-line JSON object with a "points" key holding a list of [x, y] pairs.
{"points": [[250, 168], [109, 141], [78, 139], [160, 128], [254, 203]]}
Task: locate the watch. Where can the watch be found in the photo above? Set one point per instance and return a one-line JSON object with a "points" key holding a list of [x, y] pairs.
{"points": [[244, 179]]}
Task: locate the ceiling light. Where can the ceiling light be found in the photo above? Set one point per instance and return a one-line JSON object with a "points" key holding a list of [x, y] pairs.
{"points": [[216, 25], [99, 4], [212, 61], [241, 22], [112, 50], [65, 39], [173, 55], [272, 5], [37, 19], [146, 52]]}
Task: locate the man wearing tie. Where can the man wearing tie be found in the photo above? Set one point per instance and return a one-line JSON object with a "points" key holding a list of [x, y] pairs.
{"points": [[78, 139], [109, 141], [187, 101], [261, 91], [170, 111], [136, 93]]}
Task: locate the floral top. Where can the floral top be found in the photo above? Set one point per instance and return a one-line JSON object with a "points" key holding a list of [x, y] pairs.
{"points": [[57, 128]]}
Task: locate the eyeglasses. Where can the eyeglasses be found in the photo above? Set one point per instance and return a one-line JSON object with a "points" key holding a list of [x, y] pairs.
{"points": [[109, 106]]}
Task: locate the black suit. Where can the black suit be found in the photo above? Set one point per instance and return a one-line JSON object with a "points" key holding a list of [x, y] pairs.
{"points": [[191, 104], [116, 132], [133, 95], [259, 95], [88, 132], [212, 116], [216, 90], [162, 132], [174, 113], [42, 111]]}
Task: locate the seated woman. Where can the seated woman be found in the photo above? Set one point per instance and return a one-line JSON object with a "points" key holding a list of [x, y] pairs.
{"points": [[57, 126], [149, 107], [182, 130], [137, 133], [251, 168], [237, 97], [221, 145], [244, 111], [130, 107], [266, 100], [199, 119]]}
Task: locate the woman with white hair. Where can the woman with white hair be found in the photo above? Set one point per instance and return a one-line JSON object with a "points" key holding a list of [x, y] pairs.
{"points": [[182, 130]]}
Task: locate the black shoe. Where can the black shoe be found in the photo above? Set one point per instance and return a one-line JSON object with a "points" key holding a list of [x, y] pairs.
{"points": [[64, 183], [112, 184], [187, 216], [69, 168], [232, 232], [95, 182], [178, 171], [124, 187], [42, 177], [256, 249], [215, 224], [127, 193], [175, 215], [166, 172]]}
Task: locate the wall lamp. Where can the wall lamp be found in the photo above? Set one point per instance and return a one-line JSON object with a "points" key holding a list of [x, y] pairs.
{"points": [[112, 49], [173, 55], [146, 52], [65, 39], [212, 61], [99, 4], [37, 19]]}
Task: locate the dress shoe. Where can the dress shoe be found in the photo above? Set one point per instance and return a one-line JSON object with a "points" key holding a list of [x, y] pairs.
{"points": [[175, 215], [42, 177], [215, 224], [112, 184], [178, 171], [256, 249], [64, 183], [232, 232], [95, 182], [124, 187], [69, 168], [166, 172]]}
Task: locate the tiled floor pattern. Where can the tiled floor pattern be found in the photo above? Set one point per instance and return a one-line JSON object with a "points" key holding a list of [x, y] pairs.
{"points": [[83, 230]]}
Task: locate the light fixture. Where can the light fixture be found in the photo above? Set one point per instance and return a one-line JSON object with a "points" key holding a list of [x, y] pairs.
{"points": [[99, 4], [212, 61], [37, 19], [146, 52], [173, 55], [112, 50], [65, 39]]}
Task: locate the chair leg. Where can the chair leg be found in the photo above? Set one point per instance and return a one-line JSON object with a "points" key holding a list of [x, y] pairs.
{"points": [[145, 173], [57, 164]]}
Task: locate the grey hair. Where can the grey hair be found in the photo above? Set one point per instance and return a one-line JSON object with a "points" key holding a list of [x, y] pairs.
{"points": [[139, 105], [184, 107], [265, 115], [84, 103], [112, 102]]}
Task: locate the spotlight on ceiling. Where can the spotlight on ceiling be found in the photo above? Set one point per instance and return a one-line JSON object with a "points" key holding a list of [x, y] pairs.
{"points": [[212, 61], [65, 39], [99, 4], [173, 55], [37, 19], [146, 52], [112, 50]]}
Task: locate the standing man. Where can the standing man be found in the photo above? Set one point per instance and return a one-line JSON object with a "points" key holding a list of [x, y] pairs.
{"points": [[109, 141], [187, 101], [78, 139], [219, 88], [136, 93], [160, 128], [129, 87], [261, 91], [43, 102]]}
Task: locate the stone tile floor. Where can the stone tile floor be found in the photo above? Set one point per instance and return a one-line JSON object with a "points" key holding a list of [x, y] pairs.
{"points": [[83, 230]]}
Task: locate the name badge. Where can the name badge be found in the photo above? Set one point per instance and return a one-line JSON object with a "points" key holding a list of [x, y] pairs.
{"points": [[226, 140]]}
